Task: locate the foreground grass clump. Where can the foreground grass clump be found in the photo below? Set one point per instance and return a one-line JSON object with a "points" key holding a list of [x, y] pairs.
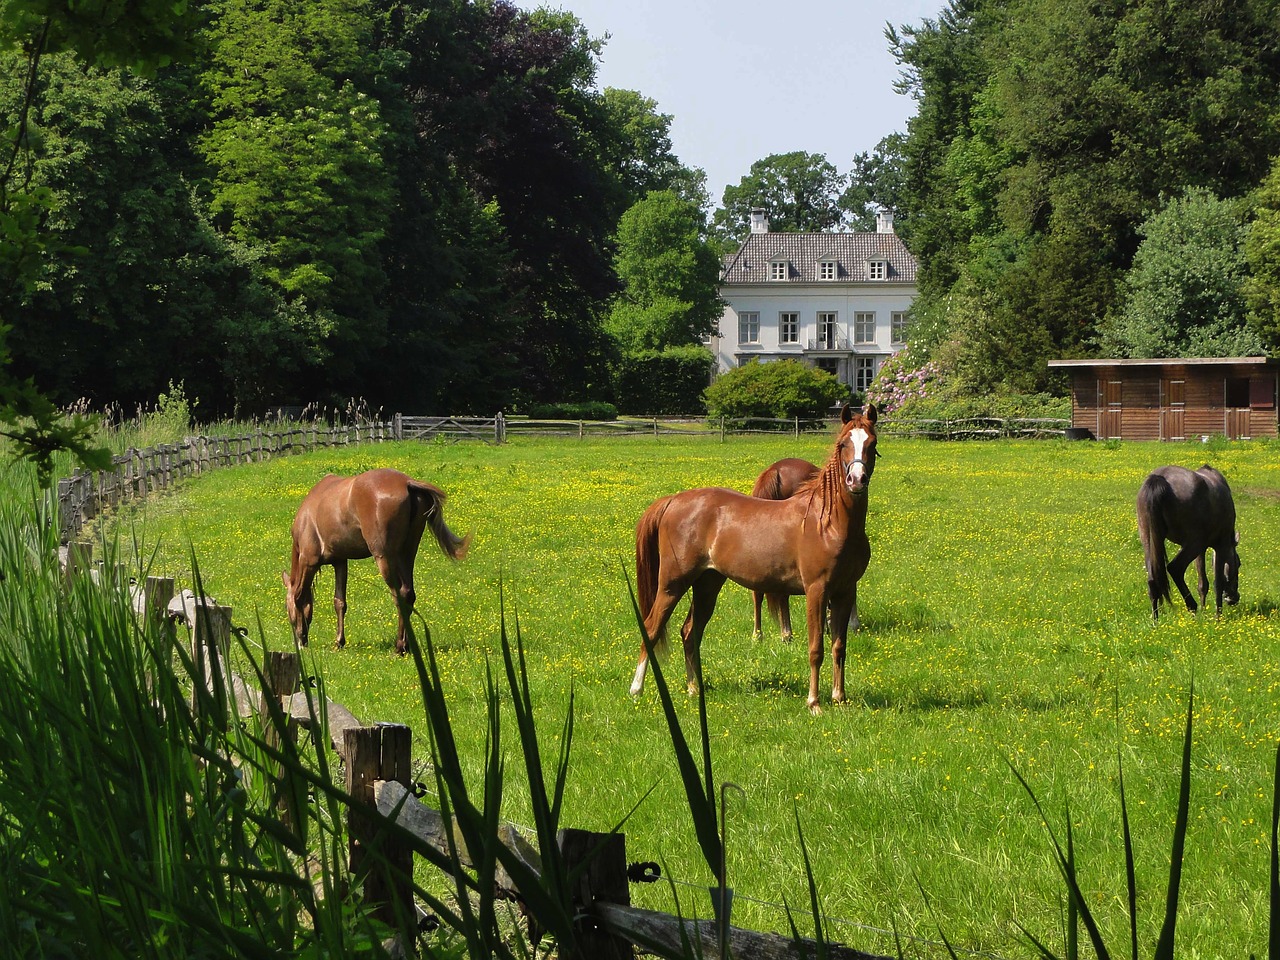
{"points": [[1005, 618]]}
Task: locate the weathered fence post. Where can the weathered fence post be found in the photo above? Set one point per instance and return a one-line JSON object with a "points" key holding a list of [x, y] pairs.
{"points": [[283, 673], [79, 559], [380, 752], [156, 594], [604, 880], [210, 644]]}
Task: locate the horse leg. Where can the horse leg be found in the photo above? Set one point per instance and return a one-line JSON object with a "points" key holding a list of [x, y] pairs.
{"points": [[655, 628], [1176, 568], [757, 600], [784, 616], [842, 613], [340, 601], [815, 615], [1204, 583], [400, 582], [1219, 570], [705, 590]]}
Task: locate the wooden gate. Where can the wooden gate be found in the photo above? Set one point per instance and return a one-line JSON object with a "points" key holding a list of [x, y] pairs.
{"points": [[1173, 404]]}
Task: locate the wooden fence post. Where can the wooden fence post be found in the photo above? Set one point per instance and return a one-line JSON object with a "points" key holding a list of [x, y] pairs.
{"points": [[380, 752], [210, 644], [283, 674], [79, 559], [604, 880]]}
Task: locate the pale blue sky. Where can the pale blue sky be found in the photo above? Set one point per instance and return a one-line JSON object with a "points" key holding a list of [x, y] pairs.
{"points": [[748, 78]]}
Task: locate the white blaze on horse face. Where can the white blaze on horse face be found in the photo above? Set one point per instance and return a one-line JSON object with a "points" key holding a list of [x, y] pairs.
{"points": [[857, 471]]}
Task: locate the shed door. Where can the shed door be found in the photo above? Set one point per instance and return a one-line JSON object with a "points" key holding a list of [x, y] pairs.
{"points": [[1236, 424], [1109, 409], [1173, 405]]}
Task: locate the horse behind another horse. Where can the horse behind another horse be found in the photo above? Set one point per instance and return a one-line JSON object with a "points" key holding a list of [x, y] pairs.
{"points": [[1194, 509], [780, 481], [381, 514]]}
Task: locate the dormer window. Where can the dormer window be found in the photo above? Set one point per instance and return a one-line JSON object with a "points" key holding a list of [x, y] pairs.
{"points": [[778, 270], [877, 269], [826, 269]]}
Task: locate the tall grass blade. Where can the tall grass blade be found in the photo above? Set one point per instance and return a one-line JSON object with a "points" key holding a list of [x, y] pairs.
{"points": [[1073, 911], [702, 807], [1273, 938], [1131, 876], [1164, 946], [1068, 871]]}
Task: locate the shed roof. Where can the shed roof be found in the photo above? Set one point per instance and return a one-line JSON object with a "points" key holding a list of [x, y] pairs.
{"points": [[1167, 362]]}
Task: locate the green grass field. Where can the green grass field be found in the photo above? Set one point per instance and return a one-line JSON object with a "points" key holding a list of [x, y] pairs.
{"points": [[1005, 622]]}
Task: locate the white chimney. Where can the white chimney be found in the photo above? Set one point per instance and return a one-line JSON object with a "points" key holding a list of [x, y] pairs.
{"points": [[884, 220], [759, 222]]}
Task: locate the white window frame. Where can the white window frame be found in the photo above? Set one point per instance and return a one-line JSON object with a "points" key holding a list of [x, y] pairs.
{"points": [[749, 326], [828, 329], [864, 326], [898, 326], [877, 269], [789, 326], [864, 372], [826, 270], [778, 270]]}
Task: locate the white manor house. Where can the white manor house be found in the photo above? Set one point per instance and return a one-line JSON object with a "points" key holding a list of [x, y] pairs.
{"points": [[835, 300]]}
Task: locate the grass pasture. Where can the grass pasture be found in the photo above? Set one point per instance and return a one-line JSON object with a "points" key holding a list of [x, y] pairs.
{"points": [[1005, 622]]}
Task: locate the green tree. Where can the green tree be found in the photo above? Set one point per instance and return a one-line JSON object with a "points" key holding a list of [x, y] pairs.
{"points": [[877, 179], [640, 153], [1262, 253], [669, 274], [296, 163], [799, 193], [1185, 291]]}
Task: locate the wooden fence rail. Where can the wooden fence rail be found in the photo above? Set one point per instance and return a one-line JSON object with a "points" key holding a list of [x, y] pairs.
{"points": [[138, 473]]}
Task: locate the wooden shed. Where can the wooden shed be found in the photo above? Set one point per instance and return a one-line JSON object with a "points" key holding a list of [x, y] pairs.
{"points": [[1173, 399]]}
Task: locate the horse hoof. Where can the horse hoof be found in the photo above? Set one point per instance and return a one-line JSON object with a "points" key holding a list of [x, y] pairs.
{"points": [[815, 710], [756, 636], [787, 637]]}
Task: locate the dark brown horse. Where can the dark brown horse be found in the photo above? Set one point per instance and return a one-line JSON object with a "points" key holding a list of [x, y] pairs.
{"points": [[380, 514], [814, 543], [1194, 509]]}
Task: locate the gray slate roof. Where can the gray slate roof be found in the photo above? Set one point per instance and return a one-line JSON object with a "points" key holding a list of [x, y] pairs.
{"points": [[803, 251]]}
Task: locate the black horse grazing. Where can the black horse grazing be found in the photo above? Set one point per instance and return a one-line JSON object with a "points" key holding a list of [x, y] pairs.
{"points": [[1193, 508]]}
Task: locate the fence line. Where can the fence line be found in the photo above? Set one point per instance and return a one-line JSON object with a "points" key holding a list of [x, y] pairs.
{"points": [[138, 473]]}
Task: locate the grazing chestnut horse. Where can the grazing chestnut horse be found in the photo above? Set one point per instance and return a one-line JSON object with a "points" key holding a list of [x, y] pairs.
{"points": [[814, 543], [381, 514], [1194, 509]]}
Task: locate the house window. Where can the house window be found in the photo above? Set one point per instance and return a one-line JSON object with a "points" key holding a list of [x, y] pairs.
{"points": [[864, 328], [749, 327], [877, 269], [826, 270], [898, 326], [788, 328], [778, 270], [828, 331], [864, 371]]}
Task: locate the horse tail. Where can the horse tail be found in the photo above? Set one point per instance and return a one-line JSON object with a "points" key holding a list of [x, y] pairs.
{"points": [[647, 562], [768, 485], [1153, 496], [775, 601], [431, 499]]}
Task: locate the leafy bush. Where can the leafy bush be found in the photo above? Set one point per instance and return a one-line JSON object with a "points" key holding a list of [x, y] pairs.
{"points": [[588, 410], [669, 381], [1004, 406], [783, 388], [898, 383]]}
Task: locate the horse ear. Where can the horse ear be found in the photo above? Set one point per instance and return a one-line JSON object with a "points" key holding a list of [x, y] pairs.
{"points": [[870, 412], [846, 414]]}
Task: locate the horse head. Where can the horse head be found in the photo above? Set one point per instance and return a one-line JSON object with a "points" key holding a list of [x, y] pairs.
{"points": [[856, 448], [299, 606]]}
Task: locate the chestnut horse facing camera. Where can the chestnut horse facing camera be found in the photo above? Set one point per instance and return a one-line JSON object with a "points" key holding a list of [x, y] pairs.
{"points": [[814, 543], [381, 514]]}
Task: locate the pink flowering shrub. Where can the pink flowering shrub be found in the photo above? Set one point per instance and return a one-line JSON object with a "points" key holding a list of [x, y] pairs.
{"points": [[896, 385]]}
